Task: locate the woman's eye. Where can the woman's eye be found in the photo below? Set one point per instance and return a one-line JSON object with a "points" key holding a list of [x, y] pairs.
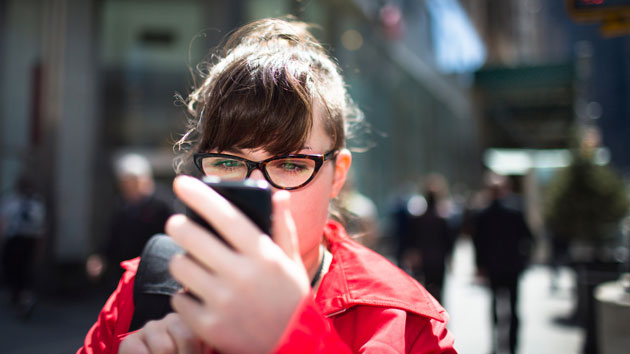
{"points": [[292, 166], [227, 164]]}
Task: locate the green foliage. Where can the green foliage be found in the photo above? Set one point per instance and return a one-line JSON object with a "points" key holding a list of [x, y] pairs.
{"points": [[584, 201]]}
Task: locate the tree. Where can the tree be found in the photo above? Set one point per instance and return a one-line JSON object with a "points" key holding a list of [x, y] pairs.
{"points": [[585, 201]]}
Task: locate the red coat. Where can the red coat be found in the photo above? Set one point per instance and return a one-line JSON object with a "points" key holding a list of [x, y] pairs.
{"points": [[363, 304]]}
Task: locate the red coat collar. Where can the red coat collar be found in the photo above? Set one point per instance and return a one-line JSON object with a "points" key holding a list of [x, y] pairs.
{"points": [[359, 276]]}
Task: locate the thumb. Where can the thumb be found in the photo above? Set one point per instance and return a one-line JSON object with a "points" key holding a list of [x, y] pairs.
{"points": [[284, 229]]}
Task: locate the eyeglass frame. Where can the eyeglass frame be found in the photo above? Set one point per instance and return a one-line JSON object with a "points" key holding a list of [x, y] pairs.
{"points": [[261, 165]]}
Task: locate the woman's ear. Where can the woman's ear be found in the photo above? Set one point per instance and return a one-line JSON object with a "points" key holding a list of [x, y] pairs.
{"points": [[342, 166]]}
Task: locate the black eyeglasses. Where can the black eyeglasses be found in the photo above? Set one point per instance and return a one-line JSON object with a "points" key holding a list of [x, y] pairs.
{"points": [[283, 172]]}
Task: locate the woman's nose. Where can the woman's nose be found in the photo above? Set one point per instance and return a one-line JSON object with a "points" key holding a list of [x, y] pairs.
{"points": [[257, 174]]}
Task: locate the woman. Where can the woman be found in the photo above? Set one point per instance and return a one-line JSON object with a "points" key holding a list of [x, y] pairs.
{"points": [[309, 288]]}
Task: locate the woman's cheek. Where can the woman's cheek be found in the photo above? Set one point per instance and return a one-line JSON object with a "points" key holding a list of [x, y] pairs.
{"points": [[310, 212]]}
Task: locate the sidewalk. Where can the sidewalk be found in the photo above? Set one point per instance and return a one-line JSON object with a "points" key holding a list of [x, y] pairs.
{"points": [[55, 327], [468, 305]]}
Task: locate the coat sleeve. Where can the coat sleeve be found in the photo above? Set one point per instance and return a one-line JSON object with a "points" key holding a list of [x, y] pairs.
{"points": [[365, 329], [113, 321]]}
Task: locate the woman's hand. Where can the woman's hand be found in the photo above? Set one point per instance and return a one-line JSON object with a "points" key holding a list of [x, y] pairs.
{"points": [[247, 293], [166, 336]]}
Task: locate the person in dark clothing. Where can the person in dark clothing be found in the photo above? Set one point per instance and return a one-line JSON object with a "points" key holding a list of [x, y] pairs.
{"points": [[502, 242], [22, 225], [133, 225], [399, 215], [430, 239], [139, 216]]}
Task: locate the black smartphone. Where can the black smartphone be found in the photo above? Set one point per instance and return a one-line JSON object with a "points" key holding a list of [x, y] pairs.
{"points": [[252, 197]]}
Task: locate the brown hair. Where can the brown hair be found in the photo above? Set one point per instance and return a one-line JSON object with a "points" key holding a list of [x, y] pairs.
{"points": [[260, 89]]}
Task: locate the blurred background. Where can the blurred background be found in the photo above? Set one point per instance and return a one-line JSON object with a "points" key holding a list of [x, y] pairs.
{"points": [[537, 91]]}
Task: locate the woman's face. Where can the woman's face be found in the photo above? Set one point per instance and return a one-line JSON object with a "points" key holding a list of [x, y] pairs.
{"points": [[309, 204]]}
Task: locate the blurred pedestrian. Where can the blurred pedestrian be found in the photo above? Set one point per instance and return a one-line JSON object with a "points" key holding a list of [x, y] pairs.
{"points": [[22, 225], [502, 242], [404, 205], [559, 248], [430, 244], [139, 215]]}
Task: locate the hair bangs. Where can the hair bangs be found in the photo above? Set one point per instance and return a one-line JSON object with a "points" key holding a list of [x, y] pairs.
{"points": [[263, 103]]}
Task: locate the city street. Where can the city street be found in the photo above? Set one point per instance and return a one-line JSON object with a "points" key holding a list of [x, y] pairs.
{"points": [[542, 311], [58, 326], [463, 110]]}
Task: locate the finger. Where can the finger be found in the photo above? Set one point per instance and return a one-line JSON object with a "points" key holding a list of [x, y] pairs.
{"points": [[155, 339], [185, 339], [284, 229], [195, 315], [236, 228], [134, 344], [203, 246], [203, 284]]}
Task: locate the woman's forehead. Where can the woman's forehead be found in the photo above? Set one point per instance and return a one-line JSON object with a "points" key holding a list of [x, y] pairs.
{"points": [[318, 138]]}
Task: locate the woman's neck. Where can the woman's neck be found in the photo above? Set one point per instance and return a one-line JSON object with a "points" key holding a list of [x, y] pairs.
{"points": [[312, 260], [317, 263]]}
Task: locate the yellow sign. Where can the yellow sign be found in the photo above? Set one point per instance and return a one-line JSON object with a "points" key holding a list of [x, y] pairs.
{"points": [[614, 15]]}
